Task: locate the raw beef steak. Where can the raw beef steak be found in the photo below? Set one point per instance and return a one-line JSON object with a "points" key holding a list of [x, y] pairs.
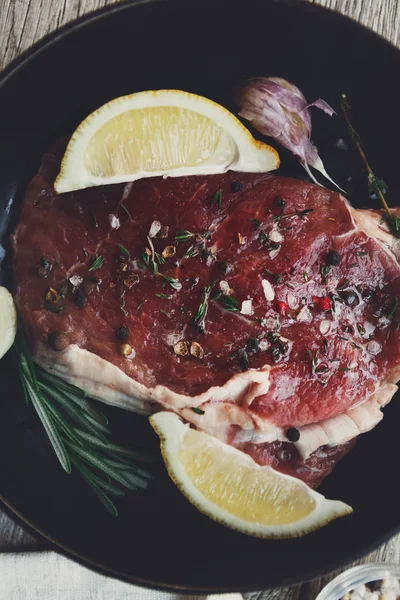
{"points": [[264, 310]]}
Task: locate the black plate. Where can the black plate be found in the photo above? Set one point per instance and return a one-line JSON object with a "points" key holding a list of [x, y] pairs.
{"points": [[208, 47]]}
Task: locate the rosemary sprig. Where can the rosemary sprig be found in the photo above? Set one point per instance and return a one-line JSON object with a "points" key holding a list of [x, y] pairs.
{"points": [[78, 433], [376, 184]]}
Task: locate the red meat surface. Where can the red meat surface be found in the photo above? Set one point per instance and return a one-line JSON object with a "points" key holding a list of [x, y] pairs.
{"points": [[329, 334]]}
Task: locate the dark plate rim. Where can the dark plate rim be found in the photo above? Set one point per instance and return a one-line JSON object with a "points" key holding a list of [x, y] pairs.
{"points": [[52, 544]]}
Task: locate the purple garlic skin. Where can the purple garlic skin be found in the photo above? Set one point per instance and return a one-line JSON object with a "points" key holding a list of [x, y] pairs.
{"points": [[278, 109]]}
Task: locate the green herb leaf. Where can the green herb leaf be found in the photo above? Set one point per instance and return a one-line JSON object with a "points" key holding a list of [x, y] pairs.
{"points": [[326, 345], [217, 199], [174, 283], [343, 285], [361, 329], [305, 276], [160, 259], [198, 411], [97, 262], [360, 253], [203, 307], [191, 252], [227, 302], [77, 432], [182, 236], [124, 251], [394, 307], [165, 296]]}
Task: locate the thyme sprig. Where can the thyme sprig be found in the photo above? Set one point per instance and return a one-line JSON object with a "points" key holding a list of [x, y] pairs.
{"points": [[78, 433], [97, 262], [227, 302], [201, 312], [376, 185]]}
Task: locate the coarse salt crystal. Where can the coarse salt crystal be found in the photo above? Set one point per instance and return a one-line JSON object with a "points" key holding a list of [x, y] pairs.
{"points": [[154, 228], [174, 338], [276, 236], [263, 345], [324, 326], [76, 280], [268, 290], [304, 315], [383, 322], [292, 301], [374, 347], [114, 221], [224, 287], [247, 307], [274, 253]]}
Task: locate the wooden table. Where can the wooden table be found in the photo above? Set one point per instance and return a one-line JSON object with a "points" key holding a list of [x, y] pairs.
{"points": [[23, 22]]}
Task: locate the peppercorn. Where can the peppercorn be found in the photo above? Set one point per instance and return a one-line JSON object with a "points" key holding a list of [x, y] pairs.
{"points": [[43, 267], [58, 340], [125, 349], [44, 262], [80, 299], [333, 258], [324, 303], [293, 434], [350, 298], [224, 267], [122, 333], [280, 202], [282, 307], [236, 186], [277, 278]]}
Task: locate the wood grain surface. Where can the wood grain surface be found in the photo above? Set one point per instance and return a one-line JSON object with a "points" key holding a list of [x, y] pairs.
{"points": [[23, 22]]}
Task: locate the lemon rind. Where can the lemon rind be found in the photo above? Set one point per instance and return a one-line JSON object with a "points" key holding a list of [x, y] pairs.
{"points": [[252, 156], [171, 431]]}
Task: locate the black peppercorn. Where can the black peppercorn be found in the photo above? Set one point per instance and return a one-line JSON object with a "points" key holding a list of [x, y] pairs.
{"points": [[80, 299], [279, 202], [224, 267], [293, 434], [277, 278], [236, 186], [43, 267], [44, 262], [350, 298], [349, 329], [333, 258], [122, 333]]}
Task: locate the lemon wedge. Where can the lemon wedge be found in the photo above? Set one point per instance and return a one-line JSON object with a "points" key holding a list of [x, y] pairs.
{"points": [[165, 132], [8, 321], [228, 486]]}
